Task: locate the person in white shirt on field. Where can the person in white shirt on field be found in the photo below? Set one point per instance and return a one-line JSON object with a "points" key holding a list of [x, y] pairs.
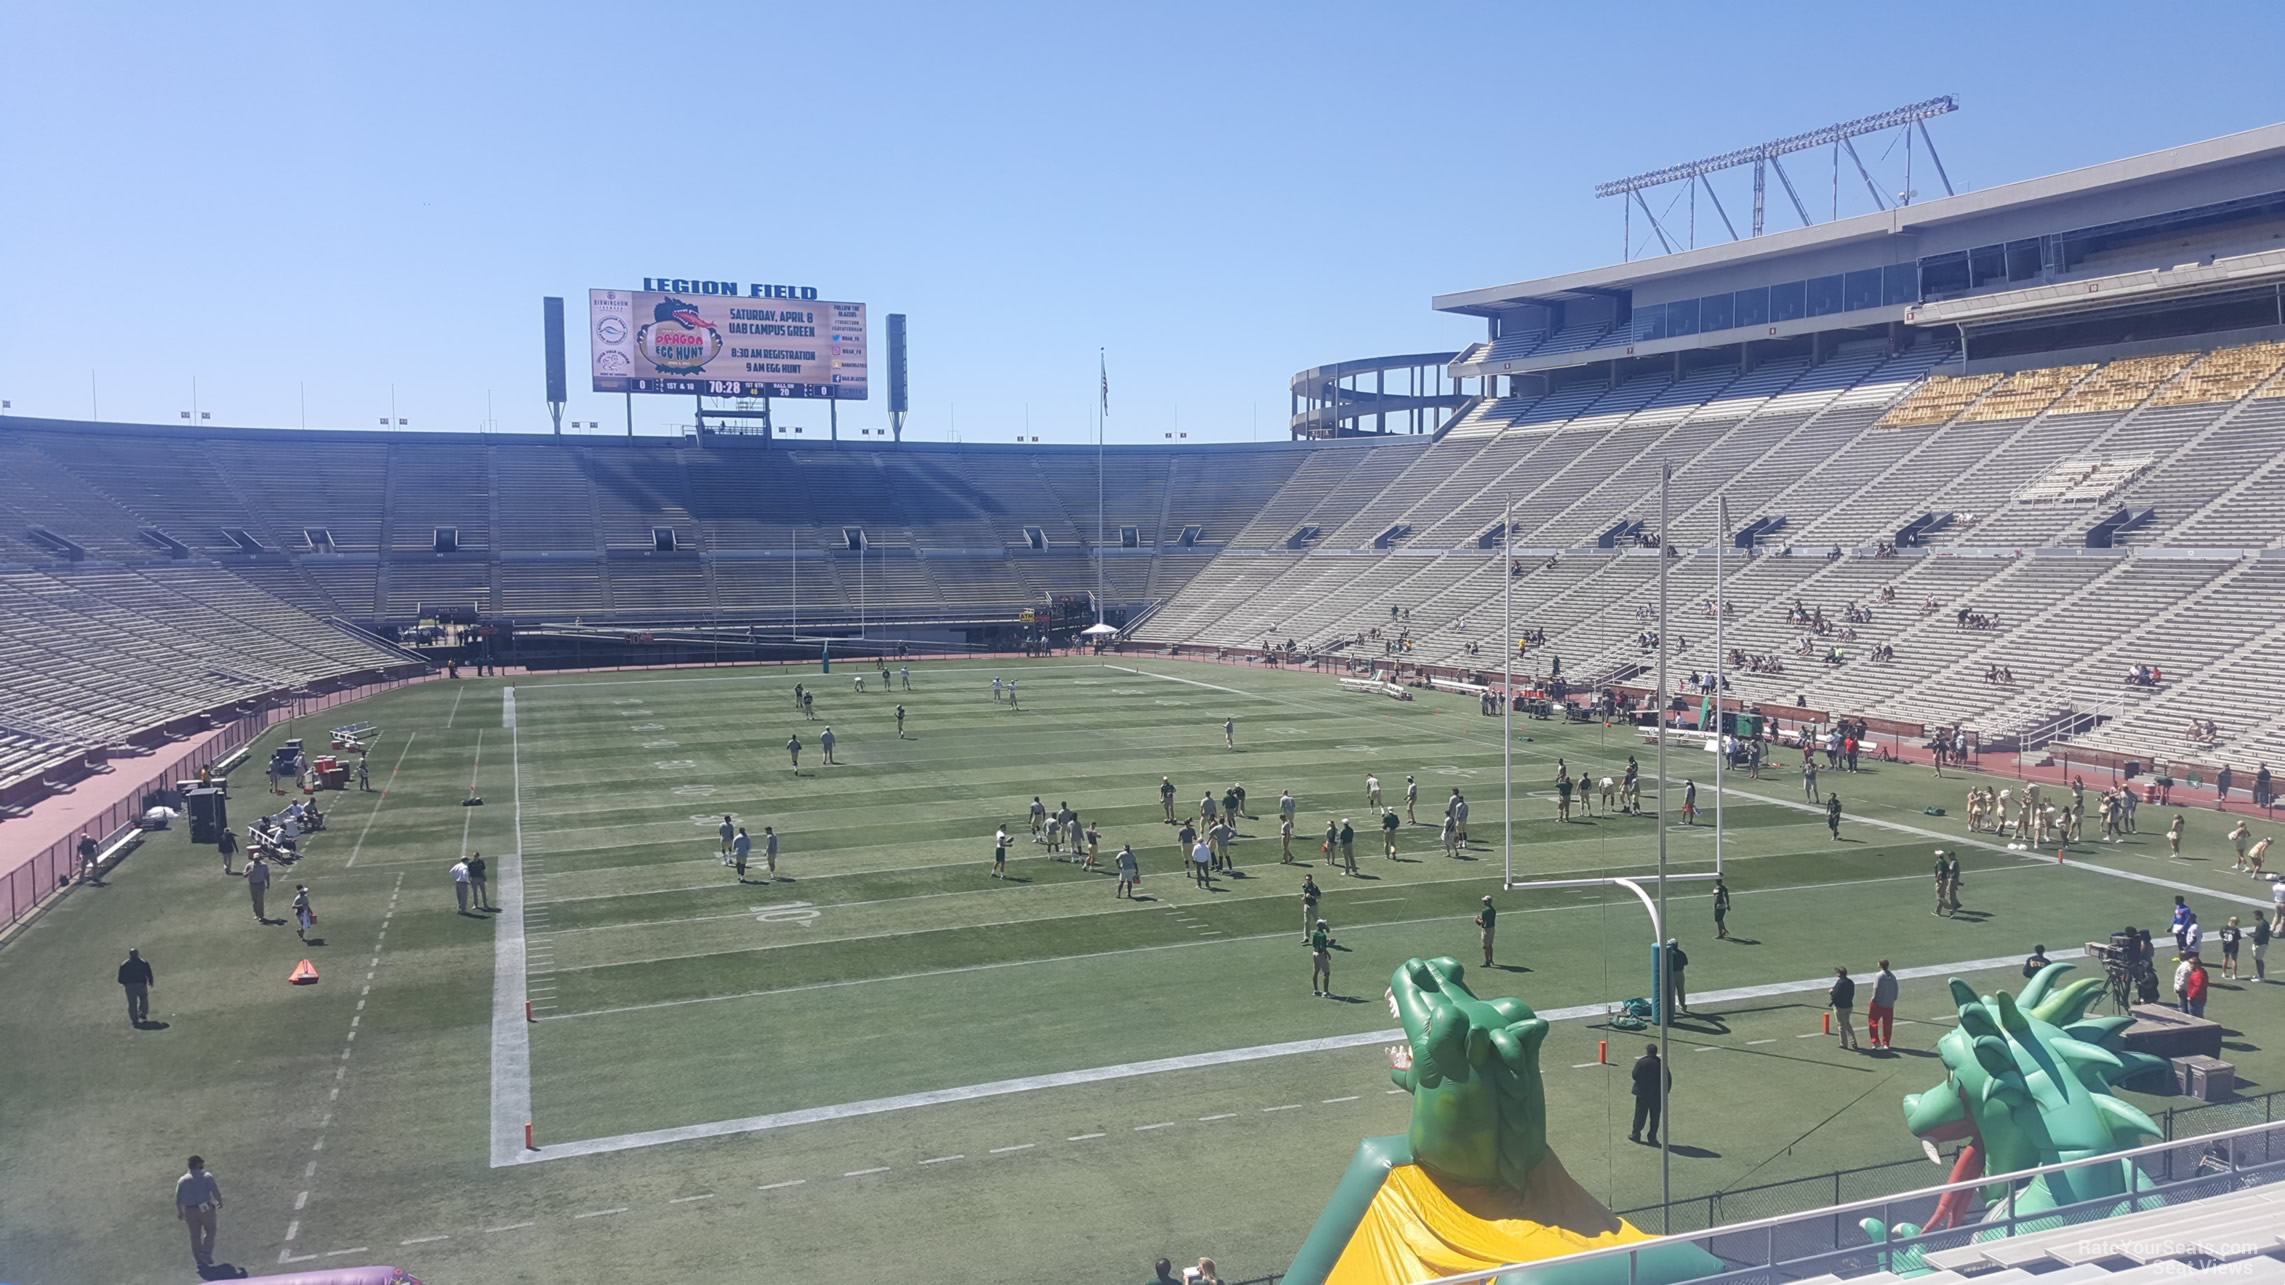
{"points": [[460, 883]]}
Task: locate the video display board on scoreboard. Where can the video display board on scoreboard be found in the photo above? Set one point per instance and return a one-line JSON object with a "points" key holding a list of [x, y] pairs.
{"points": [[725, 345]]}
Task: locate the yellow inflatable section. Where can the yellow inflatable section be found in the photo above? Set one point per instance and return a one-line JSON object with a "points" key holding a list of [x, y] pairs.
{"points": [[1418, 1230]]}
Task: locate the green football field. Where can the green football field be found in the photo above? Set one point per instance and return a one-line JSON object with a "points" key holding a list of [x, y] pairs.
{"points": [[886, 1064]]}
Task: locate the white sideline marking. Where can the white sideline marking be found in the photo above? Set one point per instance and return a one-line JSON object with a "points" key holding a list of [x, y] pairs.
{"points": [[2033, 858], [511, 1034], [293, 1229], [508, 706], [1094, 1076], [360, 844]]}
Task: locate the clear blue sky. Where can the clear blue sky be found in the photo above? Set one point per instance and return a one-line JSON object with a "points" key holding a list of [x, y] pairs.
{"points": [[340, 198]]}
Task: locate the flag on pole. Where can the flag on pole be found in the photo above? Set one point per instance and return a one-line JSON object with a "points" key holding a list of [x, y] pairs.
{"points": [[1105, 370]]}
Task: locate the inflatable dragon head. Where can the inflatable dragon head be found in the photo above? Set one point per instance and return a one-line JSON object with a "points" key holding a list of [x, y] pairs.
{"points": [[1479, 1111], [2028, 1080]]}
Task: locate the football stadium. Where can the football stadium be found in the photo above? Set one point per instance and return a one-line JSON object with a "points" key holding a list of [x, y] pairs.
{"points": [[1653, 795]]}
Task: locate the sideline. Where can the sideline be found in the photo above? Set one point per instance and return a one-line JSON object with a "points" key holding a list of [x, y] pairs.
{"points": [[1159, 1066], [2032, 858], [511, 1034]]}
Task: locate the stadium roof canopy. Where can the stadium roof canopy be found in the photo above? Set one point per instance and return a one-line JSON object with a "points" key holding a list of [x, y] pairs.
{"points": [[2254, 150]]}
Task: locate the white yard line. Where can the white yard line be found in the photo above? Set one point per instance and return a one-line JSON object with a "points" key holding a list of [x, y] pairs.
{"points": [[1095, 1076], [924, 974], [511, 1034], [455, 711], [385, 787], [468, 814], [1189, 682]]}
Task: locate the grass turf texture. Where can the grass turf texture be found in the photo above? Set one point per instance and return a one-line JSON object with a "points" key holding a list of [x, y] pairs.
{"points": [[889, 963]]}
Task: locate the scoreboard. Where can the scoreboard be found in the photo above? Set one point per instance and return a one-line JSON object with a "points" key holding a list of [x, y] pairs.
{"points": [[722, 345]]}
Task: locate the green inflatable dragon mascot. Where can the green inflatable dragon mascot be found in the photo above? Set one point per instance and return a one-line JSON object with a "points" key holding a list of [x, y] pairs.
{"points": [[1472, 1184], [2028, 1083]]}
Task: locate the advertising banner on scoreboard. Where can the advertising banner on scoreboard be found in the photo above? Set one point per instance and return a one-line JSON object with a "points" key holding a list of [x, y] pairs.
{"points": [[726, 346]]}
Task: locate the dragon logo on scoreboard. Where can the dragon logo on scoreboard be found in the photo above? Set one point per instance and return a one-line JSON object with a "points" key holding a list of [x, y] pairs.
{"points": [[677, 339]]}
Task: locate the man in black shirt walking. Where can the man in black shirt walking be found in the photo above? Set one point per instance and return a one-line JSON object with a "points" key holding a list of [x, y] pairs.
{"points": [[1651, 1079], [136, 978]]}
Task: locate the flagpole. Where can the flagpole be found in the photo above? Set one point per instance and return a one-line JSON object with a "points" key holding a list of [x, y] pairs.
{"points": [[1507, 699], [1721, 659], [1665, 1000], [1102, 404]]}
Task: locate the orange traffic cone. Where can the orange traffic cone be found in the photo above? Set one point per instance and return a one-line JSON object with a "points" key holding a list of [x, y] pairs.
{"points": [[304, 974]]}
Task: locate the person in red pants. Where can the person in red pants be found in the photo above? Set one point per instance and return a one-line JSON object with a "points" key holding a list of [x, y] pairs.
{"points": [[1880, 1017]]}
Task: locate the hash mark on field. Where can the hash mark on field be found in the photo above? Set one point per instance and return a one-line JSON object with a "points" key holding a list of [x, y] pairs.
{"points": [[1330, 1101], [1374, 901], [1808, 1035], [1083, 1137], [1209, 1119], [1145, 1128], [510, 1227], [773, 1186], [1581, 1066], [336, 1253], [860, 1173], [1761, 1041], [423, 1240], [1021, 1146], [1290, 1106], [943, 1160], [293, 1229], [600, 1213], [684, 1200]]}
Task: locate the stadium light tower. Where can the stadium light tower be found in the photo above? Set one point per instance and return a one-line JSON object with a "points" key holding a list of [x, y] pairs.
{"points": [[1763, 157]]}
